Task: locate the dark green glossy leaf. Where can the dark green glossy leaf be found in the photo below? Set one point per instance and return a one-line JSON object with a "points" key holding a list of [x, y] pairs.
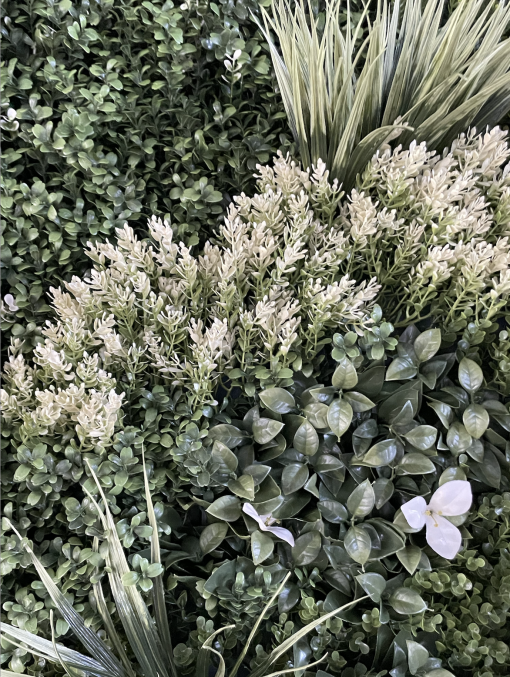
{"points": [[262, 546], [373, 584], [339, 416], [382, 453], [294, 476], [306, 548], [306, 440], [427, 344], [227, 508], [407, 601], [476, 420], [470, 375], [362, 500], [212, 536]]}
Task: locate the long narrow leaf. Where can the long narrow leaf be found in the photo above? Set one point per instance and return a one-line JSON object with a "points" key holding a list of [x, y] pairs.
{"points": [[87, 637], [43, 647]]}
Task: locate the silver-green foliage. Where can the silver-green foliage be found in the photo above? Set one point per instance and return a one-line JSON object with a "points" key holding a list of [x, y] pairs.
{"points": [[412, 76]]}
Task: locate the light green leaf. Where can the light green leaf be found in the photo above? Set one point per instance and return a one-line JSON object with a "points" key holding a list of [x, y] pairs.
{"points": [[317, 414], [476, 420], [339, 416], [415, 464], [417, 656], [470, 375], [277, 400], [401, 369], [358, 402], [357, 543], [306, 440], [265, 429], [243, 486], [407, 601], [362, 500], [409, 557], [427, 344], [373, 584], [345, 376], [382, 453], [262, 546], [422, 437]]}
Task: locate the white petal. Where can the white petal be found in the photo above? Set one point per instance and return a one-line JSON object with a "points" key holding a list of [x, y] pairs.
{"points": [[443, 536], [250, 510], [282, 533], [453, 498], [414, 512]]}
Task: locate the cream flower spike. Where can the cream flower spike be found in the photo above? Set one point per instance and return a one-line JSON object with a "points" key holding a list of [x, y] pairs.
{"points": [[265, 521], [452, 499]]}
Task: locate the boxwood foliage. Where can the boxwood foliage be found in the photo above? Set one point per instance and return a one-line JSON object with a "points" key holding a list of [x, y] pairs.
{"points": [[114, 111], [332, 460]]}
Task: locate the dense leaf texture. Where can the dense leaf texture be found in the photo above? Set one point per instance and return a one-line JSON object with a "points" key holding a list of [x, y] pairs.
{"points": [[417, 79]]}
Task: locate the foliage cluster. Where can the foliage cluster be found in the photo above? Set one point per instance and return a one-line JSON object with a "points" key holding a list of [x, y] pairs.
{"points": [[112, 112], [221, 418]]}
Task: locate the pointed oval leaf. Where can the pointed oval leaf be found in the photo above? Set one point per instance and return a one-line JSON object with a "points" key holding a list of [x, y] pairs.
{"points": [[294, 477], [226, 508], [427, 344], [333, 511], [306, 440], [470, 375], [212, 536], [476, 420], [344, 376], [415, 464], [339, 416], [383, 491], [225, 458], [373, 584], [358, 402], [307, 548], [317, 414], [417, 656], [401, 369], [262, 546], [357, 544], [277, 400], [407, 601], [382, 453], [410, 557], [243, 486], [422, 437], [362, 500], [265, 429]]}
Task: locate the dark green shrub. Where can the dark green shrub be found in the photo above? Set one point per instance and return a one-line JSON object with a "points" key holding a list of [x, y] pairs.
{"points": [[116, 111]]}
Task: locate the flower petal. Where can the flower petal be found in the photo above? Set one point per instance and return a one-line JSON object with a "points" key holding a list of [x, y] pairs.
{"points": [[250, 510], [282, 533], [453, 498], [443, 536], [414, 512]]}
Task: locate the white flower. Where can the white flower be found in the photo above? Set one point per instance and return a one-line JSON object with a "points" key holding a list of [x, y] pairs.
{"points": [[452, 499], [265, 521]]}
